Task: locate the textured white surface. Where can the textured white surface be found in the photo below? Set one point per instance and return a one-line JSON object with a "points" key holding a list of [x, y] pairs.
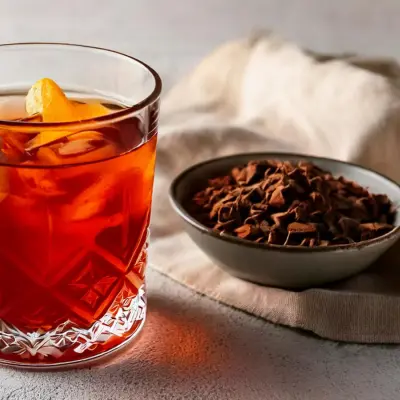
{"points": [[192, 347]]}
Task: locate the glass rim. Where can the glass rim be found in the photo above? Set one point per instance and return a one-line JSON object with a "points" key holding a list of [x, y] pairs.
{"points": [[115, 116]]}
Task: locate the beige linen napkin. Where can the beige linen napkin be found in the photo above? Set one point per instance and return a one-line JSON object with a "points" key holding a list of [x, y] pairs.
{"points": [[260, 94]]}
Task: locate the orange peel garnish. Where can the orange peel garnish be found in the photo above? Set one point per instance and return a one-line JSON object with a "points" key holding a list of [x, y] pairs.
{"points": [[46, 98], [89, 111]]}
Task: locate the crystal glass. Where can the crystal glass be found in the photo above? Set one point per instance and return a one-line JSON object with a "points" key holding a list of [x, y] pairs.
{"points": [[74, 232]]}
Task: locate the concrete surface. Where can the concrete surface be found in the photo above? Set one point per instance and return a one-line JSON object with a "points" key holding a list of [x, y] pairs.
{"points": [[192, 347]]}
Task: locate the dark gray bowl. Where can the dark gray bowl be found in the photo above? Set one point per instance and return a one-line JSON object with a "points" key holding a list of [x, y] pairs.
{"points": [[282, 266]]}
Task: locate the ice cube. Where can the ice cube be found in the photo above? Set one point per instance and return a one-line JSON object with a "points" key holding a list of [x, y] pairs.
{"points": [[93, 135], [45, 138], [45, 155], [93, 153], [4, 183], [39, 182], [92, 200], [77, 147]]}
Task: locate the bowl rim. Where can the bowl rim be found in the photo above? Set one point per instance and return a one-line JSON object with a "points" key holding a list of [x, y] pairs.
{"points": [[181, 211]]}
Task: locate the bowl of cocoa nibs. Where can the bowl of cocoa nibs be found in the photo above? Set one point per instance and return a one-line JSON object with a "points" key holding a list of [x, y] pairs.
{"points": [[288, 220]]}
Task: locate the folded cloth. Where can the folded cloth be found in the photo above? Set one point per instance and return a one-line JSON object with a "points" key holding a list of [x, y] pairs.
{"points": [[263, 93]]}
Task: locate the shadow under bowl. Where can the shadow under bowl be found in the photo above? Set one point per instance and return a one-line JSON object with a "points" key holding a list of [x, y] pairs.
{"points": [[277, 265]]}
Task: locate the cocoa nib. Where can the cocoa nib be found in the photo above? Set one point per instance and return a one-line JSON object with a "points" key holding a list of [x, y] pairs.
{"points": [[292, 204]]}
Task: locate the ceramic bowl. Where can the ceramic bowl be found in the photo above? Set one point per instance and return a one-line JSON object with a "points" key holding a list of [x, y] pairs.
{"points": [[275, 265]]}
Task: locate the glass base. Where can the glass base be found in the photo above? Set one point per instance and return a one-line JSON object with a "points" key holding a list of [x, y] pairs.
{"points": [[70, 346]]}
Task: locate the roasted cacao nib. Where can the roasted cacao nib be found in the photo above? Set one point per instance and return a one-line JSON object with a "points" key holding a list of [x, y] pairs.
{"points": [[292, 204]]}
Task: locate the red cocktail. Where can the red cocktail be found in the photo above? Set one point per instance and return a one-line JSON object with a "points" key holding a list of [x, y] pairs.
{"points": [[76, 179]]}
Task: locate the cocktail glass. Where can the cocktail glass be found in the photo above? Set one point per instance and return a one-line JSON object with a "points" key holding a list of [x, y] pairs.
{"points": [[75, 201]]}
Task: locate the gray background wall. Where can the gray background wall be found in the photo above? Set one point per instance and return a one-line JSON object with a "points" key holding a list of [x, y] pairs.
{"points": [[173, 35]]}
